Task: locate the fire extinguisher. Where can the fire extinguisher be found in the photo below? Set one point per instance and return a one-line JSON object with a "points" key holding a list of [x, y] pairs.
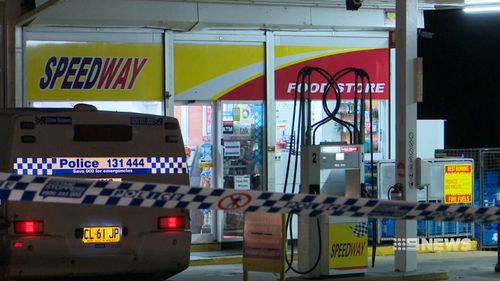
{"points": [[395, 192]]}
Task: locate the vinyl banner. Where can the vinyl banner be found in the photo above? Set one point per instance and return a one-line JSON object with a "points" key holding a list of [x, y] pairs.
{"points": [[96, 71]]}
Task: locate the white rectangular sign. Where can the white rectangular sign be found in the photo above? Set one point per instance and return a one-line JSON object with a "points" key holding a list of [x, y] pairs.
{"points": [[232, 148], [242, 182]]}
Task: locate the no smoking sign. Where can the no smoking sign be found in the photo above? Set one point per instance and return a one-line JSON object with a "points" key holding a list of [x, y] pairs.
{"points": [[234, 201]]}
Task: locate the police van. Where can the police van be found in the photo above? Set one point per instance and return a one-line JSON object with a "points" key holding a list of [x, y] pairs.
{"points": [[46, 240]]}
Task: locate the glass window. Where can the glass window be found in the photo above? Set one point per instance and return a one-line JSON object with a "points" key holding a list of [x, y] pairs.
{"points": [[242, 161]]}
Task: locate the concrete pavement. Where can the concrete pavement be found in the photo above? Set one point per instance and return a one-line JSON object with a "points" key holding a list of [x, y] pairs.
{"points": [[467, 266]]}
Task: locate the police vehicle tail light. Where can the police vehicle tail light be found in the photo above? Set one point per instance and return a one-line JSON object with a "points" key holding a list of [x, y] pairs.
{"points": [[28, 227], [171, 222]]}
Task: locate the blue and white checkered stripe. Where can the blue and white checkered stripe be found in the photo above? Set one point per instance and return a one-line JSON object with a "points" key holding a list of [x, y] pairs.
{"points": [[34, 166], [168, 165], [76, 191], [49, 166]]}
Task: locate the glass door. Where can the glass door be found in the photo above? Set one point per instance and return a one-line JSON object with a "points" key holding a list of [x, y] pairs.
{"points": [[242, 157], [196, 122]]}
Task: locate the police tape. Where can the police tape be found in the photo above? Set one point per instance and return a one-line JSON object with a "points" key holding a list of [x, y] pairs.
{"points": [[78, 191]]}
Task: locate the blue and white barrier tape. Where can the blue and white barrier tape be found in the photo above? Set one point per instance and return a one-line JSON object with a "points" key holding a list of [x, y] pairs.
{"points": [[78, 191]]}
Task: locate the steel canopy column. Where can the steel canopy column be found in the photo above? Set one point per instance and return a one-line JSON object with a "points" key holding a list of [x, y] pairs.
{"points": [[406, 122], [270, 113], [168, 46]]}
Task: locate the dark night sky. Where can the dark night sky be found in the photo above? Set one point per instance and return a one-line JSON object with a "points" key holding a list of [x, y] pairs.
{"points": [[462, 76]]}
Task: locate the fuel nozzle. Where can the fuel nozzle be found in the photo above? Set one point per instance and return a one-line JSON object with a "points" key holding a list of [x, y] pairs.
{"points": [[396, 192]]}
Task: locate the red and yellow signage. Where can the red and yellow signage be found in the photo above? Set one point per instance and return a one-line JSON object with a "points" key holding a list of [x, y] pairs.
{"points": [[374, 61], [236, 72], [219, 72], [94, 71], [458, 183]]}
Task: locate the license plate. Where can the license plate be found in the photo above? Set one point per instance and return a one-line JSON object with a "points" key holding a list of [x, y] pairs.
{"points": [[101, 234]]}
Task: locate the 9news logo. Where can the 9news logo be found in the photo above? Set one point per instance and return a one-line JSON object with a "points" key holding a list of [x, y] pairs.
{"points": [[405, 244], [432, 244]]}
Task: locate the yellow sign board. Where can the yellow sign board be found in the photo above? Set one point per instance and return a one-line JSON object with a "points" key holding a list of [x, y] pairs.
{"points": [[348, 246], [213, 72], [458, 183], [96, 71]]}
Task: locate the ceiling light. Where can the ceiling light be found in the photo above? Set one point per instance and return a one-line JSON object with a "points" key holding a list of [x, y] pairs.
{"points": [[479, 2], [479, 9], [477, 6]]}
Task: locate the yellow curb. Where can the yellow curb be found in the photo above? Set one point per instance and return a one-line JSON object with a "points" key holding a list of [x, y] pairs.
{"points": [[222, 260], [426, 277], [381, 251], [411, 277], [217, 261], [210, 247]]}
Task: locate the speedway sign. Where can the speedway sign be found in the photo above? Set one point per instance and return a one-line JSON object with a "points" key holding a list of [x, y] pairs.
{"points": [[94, 71]]}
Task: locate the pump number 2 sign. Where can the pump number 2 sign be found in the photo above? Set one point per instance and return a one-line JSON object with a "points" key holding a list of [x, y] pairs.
{"points": [[458, 183]]}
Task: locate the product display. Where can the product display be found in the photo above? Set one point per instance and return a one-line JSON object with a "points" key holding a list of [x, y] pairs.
{"points": [[242, 156]]}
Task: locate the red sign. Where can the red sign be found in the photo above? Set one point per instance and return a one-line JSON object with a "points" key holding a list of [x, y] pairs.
{"points": [[234, 201], [461, 198], [349, 149], [374, 62], [458, 169], [400, 169]]}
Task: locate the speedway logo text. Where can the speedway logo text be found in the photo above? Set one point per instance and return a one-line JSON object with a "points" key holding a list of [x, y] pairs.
{"points": [[85, 73]]}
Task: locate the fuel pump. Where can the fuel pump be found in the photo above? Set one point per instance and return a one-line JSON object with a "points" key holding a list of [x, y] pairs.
{"points": [[334, 170], [330, 245]]}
